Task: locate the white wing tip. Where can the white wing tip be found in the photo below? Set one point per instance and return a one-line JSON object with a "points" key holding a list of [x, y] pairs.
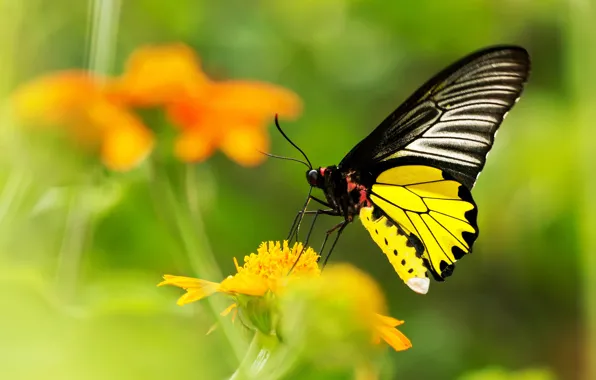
{"points": [[419, 285]]}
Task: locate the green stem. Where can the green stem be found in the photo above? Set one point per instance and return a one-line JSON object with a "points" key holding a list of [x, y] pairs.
{"points": [[582, 60], [76, 229], [256, 364], [187, 225]]}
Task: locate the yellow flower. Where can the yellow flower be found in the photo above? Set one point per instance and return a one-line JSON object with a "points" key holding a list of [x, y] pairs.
{"points": [[267, 270], [75, 101], [267, 276]]}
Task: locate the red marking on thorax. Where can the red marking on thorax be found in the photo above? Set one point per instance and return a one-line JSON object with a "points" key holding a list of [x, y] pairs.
{"points": [[363, 201]]}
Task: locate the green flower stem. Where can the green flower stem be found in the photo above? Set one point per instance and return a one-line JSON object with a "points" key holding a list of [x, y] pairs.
{"points": [[582, 60], [13, 191], [76, 229], [256, 364], [187, 226]]}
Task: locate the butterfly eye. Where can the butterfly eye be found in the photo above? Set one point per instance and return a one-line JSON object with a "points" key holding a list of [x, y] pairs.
{"points": [[312, 176]]}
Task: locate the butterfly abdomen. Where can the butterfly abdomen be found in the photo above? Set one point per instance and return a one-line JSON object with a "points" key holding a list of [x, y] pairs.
{"points": [[394, 243]]}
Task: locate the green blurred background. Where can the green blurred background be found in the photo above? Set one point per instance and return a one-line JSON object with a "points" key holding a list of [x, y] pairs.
{"points": [[82, 248]]}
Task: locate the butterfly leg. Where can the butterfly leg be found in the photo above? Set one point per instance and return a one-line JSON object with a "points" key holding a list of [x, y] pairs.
{"points": [[300, 215], [312, 226], [339, 228], [296, 225]]}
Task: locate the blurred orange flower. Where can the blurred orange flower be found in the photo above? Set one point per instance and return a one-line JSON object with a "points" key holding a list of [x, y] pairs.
{"points": [[229, 115], [75, 100]]}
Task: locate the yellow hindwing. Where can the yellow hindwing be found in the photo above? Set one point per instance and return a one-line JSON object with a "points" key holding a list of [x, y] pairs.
{"points": [[432, 205], [394, 245]]}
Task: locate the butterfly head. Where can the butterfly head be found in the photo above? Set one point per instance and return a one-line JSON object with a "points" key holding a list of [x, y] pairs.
{"points": [[316, 177]]}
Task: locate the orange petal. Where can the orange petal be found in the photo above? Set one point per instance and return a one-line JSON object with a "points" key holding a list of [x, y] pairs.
{"points": [[124, 148], [194, 146], [56, 98], [244, 145], [394, 338], [157, 75], [253, 100], [126, 141], [186, 115], [385, 329], [388, 321]]}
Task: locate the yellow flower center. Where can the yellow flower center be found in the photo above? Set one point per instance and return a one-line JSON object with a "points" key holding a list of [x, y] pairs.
{"points": [[273, 262]]}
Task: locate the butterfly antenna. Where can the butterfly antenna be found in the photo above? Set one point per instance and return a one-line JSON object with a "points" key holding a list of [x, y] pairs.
{"points": [[290, 141], [285, 158]]}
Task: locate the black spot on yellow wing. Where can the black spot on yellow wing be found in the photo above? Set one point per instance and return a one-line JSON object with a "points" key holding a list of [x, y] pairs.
{"points": [[414, 241], [435, 212], [376, 214], [395, 245]]}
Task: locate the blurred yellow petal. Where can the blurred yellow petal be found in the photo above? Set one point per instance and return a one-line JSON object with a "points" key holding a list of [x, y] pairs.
{"points": [[126, 141], [394, 338], [125, 147], [244, 145], [55, 98], [158, 75], [193, 146], [385, 330]]}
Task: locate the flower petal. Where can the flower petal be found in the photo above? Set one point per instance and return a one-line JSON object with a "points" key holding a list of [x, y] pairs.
{"points": [[385, 329], [126, 147], [394, 338], [54, 99], [245, 283], [196, 289], [126, 141], [185, 282], [157, 75], [388, 321], [245, 144], [251, 99], [228, 310], [193, 146]]}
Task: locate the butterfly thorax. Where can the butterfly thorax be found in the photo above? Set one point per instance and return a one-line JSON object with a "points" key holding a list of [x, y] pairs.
{"points": [[345, 191]]}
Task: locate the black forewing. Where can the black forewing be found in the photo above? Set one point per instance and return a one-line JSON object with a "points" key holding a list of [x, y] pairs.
{"points": [[450, 122]]}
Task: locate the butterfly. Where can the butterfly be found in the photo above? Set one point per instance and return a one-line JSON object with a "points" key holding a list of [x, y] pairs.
{"points": [[410, 179]]}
